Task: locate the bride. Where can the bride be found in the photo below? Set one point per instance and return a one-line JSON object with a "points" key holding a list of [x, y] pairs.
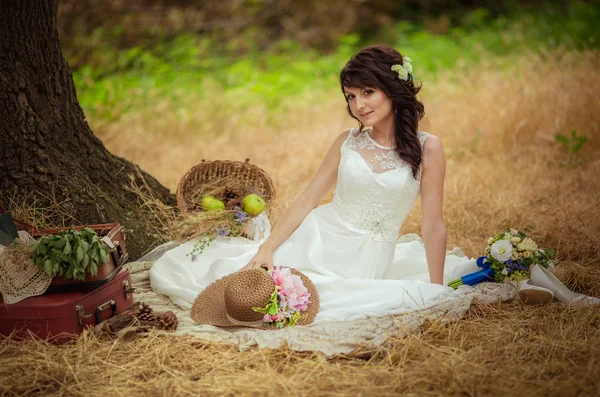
{"points": [[349, 248]]}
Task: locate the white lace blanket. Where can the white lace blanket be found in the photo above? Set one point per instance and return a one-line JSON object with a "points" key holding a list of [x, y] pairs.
{"points": [[330, 339]]}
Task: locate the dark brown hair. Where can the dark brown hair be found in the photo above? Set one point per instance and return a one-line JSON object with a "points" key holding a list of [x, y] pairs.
{"points": [[371, 67]]}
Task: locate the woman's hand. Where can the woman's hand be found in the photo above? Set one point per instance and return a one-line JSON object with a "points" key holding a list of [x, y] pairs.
{"points": [[263, 258]]}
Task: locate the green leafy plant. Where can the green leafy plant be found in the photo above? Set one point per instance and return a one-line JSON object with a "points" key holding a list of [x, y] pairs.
{"points": [[573, 143], [71, 253]]}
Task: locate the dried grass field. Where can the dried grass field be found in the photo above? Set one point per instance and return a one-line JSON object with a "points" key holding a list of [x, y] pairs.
{"points": [[498, 123]]}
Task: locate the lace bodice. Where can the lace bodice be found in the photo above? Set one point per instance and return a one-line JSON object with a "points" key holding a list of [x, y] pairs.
{"points": [[375, 189]]}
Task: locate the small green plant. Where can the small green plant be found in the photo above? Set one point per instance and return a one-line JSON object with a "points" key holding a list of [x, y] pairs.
{"points": [[70, 253], [573, 143]]}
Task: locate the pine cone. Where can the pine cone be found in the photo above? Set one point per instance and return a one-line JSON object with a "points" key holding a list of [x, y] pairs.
{"points": [[229, 194], [147, 318], [144, 313], [167, 321], [142, 308]]}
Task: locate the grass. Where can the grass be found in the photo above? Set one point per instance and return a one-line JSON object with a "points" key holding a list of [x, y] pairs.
{"points": [[505, 167], [117, 82]]}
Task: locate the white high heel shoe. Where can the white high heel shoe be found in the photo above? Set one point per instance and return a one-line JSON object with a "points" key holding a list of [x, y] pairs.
{"points": [[533, 294], [542, 277]]}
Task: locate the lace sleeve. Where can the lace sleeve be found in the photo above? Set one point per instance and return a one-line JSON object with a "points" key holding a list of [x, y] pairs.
{"points": [[422, 137], [350, 138]]}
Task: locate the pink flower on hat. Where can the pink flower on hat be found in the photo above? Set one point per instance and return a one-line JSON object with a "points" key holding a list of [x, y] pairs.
{"points": [[289, 298], [293, 295]]}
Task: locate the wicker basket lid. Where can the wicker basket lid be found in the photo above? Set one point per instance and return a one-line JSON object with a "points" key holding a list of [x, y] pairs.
{"points": [[246, 174]]}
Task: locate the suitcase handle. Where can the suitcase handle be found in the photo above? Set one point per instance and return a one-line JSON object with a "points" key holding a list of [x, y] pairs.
{"points": [[115, 249], [118, 256], [82, 315], [111, 304]]}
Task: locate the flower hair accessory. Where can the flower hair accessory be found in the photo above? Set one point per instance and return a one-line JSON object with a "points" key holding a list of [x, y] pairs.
{"points": [[287, 301], [403, 69]]}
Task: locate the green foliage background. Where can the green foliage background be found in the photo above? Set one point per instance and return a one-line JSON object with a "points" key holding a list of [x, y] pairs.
{"points": [[118, 80]]}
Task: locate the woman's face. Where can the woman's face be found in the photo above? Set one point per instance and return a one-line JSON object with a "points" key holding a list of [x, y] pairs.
{"points": [[369, 105]]}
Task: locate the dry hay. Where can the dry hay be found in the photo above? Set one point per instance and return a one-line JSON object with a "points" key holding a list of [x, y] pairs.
{"points": [[494, 350], [201, 224], [57, 214], [504, 168]]}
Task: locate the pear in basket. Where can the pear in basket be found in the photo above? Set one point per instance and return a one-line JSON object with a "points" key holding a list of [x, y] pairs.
{"points": [[253, 204], [211, 203]]}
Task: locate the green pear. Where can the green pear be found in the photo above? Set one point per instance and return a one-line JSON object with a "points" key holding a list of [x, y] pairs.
{"points": [[211, 203], [253, 204]]}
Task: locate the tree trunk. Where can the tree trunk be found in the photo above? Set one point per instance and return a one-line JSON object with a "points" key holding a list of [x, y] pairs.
{"points": [[46, 146]]}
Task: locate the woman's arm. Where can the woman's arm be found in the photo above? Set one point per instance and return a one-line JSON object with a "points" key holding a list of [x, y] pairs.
{"points": [[433, 228], [321, 183]]}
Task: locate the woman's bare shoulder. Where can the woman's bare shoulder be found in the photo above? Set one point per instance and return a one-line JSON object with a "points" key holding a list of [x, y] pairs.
{"points": [[431, 143]]}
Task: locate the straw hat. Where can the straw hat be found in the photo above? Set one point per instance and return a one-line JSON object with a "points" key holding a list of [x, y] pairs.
{"points": [[228, 302]]}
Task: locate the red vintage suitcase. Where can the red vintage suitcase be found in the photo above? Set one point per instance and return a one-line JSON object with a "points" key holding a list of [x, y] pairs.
{"points": [[62, 315]]}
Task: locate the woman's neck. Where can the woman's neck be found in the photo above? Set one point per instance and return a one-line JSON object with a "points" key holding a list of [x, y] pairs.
{"points": [[383, 132]]}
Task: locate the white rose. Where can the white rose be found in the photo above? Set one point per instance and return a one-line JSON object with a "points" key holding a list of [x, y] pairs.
{"points": [[407, 66], [403, 74], [515, 240], [514, 256], [532, 244], [406, 59], [502, 250], [527, 245]]}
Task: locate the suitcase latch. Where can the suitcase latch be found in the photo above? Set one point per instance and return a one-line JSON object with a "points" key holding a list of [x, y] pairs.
{"points": [[81, 315], [127, 289]]}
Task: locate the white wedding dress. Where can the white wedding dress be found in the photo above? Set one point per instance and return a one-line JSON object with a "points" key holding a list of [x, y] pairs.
{"points": [[349, 248]]}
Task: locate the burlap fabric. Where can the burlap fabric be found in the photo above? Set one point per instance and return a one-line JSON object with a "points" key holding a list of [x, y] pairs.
{"points": [[228, 302], [19, 276]]}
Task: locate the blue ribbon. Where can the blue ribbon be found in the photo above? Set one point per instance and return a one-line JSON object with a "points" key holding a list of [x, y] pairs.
{"points": [[485, 274]]}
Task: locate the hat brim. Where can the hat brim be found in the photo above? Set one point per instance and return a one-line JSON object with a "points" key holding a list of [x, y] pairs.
{"points": [[209, 305]]}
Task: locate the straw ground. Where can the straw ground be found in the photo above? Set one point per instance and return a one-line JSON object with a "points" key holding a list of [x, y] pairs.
{"points": [[498, 123]]}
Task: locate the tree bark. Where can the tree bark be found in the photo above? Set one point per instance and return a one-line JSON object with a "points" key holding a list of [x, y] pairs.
{"points": [[46, 146]]}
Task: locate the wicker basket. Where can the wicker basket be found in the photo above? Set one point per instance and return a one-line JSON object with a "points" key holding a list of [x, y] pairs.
{"points": [[247, 174]]}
